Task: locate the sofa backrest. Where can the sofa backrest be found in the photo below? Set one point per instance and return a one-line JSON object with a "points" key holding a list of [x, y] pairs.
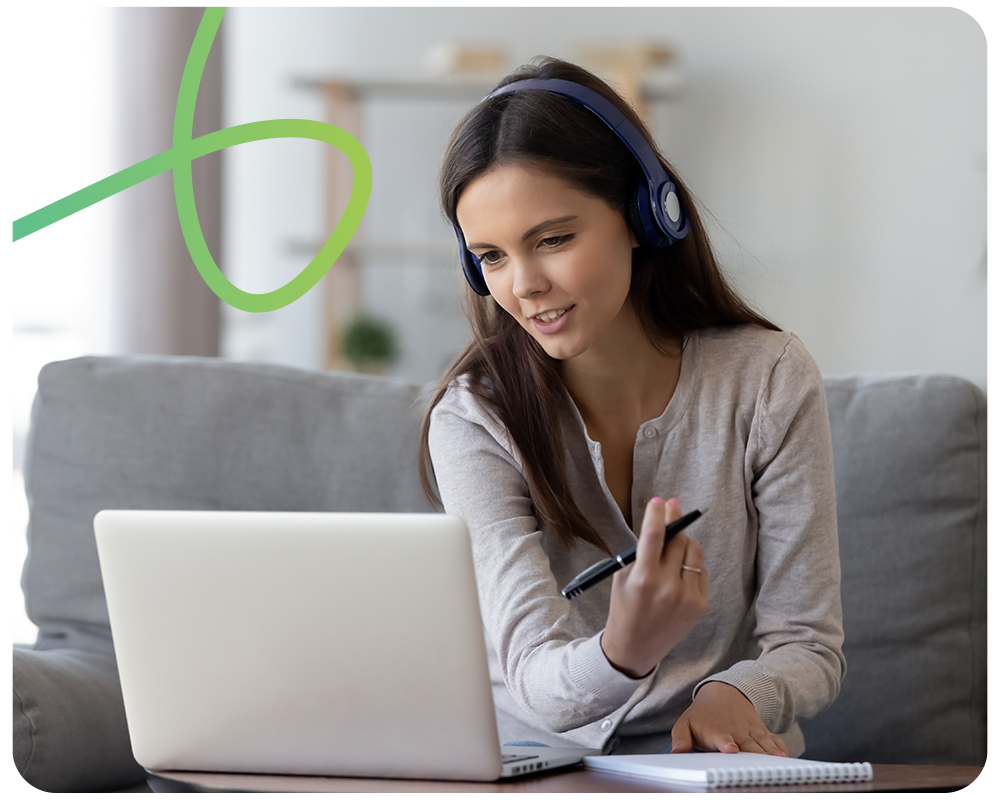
{"points": [[159, 432], [910, 466]]}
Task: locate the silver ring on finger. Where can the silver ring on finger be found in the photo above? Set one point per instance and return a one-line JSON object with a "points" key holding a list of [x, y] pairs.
{"points": [[691, 569]]}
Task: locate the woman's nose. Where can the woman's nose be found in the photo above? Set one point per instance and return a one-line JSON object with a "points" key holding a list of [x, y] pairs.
{"points": [[528, 279]]}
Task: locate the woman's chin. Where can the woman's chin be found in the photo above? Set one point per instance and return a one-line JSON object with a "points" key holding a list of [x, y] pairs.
{"points": [[560, 351]]}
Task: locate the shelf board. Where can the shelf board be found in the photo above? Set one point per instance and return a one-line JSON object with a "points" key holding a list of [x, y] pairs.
{"points": [[458, 87], [660, 84]]}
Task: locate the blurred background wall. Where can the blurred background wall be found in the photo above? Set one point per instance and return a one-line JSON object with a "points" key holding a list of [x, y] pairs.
{"points": [[841, 151]]}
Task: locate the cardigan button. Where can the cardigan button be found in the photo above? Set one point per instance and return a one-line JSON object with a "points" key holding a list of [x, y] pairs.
{"points": [[606, 725], [649, 433]]}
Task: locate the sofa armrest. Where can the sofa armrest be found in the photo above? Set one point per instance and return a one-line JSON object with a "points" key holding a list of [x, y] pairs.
{"points": [[69, 722], [910, 464]]}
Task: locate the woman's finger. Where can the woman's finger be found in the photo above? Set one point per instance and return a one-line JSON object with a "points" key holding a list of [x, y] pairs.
{"points": [[680, 736], [750, 745], [693, 565], [675, 552], [722, 742], [673, 514], [771, 744], [654, 521]]}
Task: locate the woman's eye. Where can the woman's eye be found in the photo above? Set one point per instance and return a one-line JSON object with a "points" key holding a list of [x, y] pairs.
{"points": [[490, 258], [555, 241]]}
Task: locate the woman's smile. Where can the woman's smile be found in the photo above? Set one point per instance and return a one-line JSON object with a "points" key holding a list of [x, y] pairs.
{"points": [[550, 322]]}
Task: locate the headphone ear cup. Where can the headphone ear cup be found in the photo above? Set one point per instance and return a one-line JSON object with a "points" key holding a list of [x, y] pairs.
{"points": [[647, 227], [674, 214], [473, 272], [634, 218], [471, 267]]}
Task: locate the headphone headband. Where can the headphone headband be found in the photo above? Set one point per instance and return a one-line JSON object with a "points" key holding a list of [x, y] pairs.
{"points": [[659, 216]]}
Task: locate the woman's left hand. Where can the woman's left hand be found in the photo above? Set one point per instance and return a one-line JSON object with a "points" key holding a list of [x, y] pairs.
{"points": [[722, 718]]}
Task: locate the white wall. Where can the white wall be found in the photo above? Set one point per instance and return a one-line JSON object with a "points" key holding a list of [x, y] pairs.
{"points": [[56, 280], [842, 151]]}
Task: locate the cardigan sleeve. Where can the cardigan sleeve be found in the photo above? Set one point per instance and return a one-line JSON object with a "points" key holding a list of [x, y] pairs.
{"points": [[551, 663], [799, 624]]}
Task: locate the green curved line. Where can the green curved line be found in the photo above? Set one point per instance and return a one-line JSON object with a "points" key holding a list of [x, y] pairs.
{"points": [[187, 211], [185, 149], [103, 189], [331, 249], [187, 94]]}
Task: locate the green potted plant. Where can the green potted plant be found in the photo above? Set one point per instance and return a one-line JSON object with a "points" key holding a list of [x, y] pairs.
{"points": [[369, 344]]}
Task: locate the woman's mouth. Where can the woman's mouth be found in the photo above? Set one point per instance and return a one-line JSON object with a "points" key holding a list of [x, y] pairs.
{"points": [[552, 320]]}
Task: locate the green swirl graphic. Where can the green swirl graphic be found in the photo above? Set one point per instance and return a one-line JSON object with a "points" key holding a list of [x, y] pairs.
{"points": [[185, 149]]}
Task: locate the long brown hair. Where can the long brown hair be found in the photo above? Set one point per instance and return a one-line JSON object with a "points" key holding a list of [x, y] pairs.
{"points": [[674, 290]]}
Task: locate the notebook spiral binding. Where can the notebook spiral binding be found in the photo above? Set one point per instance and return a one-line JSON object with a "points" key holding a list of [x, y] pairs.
{"points": [[794, 773]]}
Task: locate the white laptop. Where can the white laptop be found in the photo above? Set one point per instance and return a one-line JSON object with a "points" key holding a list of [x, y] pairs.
{"points": [[304, 644]]}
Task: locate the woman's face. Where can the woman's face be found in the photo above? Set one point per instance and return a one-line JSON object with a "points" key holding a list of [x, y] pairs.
{"points": [[555, 258]]}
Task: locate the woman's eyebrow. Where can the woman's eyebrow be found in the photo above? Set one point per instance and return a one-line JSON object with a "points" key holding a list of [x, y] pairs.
{"points": [[547, 223], [540, 226]]}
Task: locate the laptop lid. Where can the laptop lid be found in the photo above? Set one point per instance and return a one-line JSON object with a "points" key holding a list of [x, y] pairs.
{"points": [[299, 643]]}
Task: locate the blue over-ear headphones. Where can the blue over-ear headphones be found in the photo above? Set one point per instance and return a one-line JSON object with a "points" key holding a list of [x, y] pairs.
{"points": [[656, 217]]}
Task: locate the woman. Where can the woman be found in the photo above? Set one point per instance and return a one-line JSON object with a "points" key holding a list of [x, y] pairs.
{"points": [[611, 364]]}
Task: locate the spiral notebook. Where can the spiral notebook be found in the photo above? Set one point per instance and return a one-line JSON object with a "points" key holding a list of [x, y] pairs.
{"points": [[717, 770]]}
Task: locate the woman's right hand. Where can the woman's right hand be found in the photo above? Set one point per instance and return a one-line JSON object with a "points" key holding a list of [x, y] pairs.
{"points": [[654, 602]]}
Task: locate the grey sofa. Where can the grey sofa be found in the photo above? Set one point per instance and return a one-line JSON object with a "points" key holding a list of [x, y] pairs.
{"points": [[206, 433]]}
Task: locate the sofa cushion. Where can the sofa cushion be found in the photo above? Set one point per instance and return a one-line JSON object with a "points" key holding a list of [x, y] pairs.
{"points": [[910, 465], [69, 722], [196, 433]]}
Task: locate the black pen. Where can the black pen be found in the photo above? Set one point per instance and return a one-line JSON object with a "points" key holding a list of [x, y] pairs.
{"points": [[609, 566]]}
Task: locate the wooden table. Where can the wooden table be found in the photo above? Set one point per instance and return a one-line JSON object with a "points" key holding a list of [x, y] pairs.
{"points": [[887, 777]]}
